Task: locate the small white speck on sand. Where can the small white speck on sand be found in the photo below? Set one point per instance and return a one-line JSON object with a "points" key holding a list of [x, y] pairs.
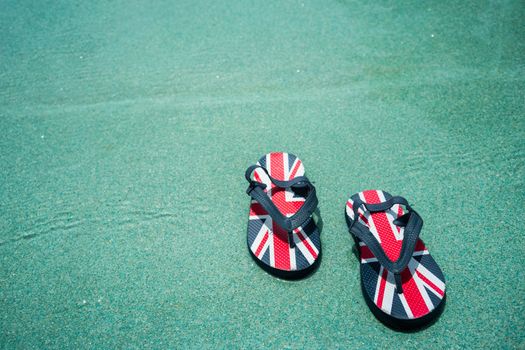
{"points": [[217, 76], [84, 301], [431, 35], [81, 57], [42, 136], [298, 71]]}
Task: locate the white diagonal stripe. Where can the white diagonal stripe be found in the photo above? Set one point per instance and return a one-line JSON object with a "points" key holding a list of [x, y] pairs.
{"points": [[378, 285], [259, 238], [412, 265], [425, 272], [388, 295], [299, 244], [405, 305], [270, 245]]}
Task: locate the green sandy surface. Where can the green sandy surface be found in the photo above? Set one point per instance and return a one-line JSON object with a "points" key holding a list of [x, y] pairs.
{"points": [[126, 128]]}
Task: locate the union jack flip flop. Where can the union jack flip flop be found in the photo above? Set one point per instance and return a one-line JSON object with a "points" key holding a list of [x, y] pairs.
{"points": [[283, 236], [402, 284]]}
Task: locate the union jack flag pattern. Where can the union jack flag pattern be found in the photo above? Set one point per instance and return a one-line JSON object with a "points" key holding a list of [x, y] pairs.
{"points": [[268, 242], [423, 282]]}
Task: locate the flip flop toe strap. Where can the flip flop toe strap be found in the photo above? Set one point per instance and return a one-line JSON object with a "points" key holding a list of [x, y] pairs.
{"points": [[412, 223], [256, 191]]}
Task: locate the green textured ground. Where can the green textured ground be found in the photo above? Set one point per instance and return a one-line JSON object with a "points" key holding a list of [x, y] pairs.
{"points": [[126, 128]]}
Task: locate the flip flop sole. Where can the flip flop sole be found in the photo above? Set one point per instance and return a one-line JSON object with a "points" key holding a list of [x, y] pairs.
{"points": [[286, 255], [423, 294]]}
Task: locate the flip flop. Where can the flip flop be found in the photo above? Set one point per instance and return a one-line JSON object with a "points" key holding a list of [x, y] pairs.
{"points": [[283, 236], [402, 284]]}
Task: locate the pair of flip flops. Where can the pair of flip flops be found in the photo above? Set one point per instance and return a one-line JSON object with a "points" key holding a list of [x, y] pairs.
{"points": [[401, 282]]}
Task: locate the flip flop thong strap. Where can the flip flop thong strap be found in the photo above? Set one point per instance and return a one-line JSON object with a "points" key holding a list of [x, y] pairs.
{"points": [[256, 191], [412, 223]]}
